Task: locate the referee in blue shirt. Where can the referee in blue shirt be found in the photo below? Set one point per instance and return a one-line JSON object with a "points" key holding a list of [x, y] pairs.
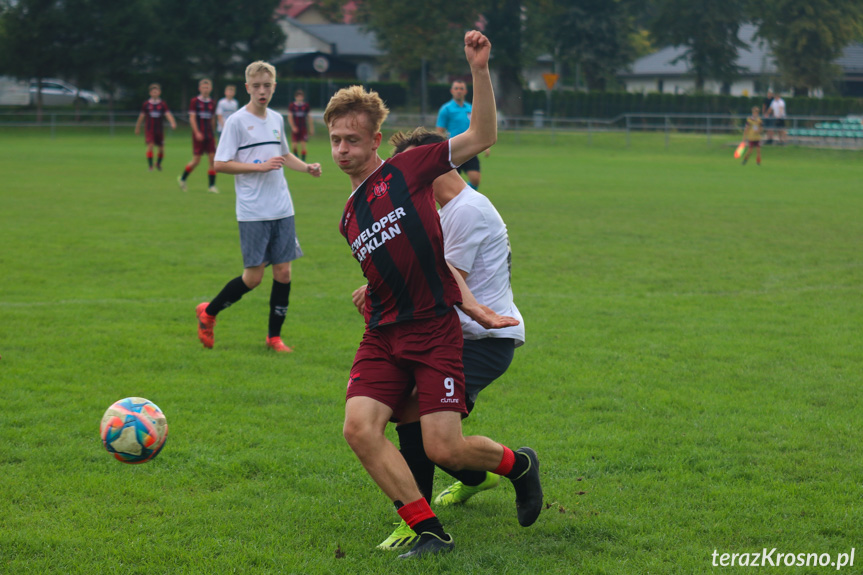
{"points": [[453, 119]]}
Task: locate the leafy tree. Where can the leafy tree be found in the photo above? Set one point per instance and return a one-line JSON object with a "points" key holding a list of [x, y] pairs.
{"points": [[707, 29], [199, 38], [409, 32], [598, 35], [32, 41], [505, 23], [109, 39], [806, 36]]}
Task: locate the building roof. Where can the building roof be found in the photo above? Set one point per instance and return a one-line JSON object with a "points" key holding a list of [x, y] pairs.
{"points": [[754, 59], [293, 8], [851, 60], [346, 39]]}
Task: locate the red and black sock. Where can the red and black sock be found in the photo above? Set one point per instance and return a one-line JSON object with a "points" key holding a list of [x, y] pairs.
{"points": [[279, 297], [159, 161], [511, 465], [419, 517], [187, 171], [150, 158], [211, 176]]}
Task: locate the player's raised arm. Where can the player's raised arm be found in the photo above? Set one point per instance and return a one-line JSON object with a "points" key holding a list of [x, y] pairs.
{"points": [[482, 133]]}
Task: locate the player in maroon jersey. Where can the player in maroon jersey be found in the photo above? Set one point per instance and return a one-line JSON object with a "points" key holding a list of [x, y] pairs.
{"points": [[153, 112], [301, 123], [413, 335], [202, 119]]}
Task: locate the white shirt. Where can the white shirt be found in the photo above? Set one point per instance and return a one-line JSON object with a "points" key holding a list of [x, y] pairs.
{"points": [[778, 107], [225, 108], [248, 139], [475, 241]]}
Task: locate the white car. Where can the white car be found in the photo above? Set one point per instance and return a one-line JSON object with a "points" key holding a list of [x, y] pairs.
{"points": [[59, 93]]}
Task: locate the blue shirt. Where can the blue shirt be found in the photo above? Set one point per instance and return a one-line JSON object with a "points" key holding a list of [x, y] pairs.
{"points": [[453, 118]]}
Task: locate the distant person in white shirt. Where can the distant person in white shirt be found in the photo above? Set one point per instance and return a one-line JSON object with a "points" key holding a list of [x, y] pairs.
{"points": [[476, 246], [254, 149], [777, 109], [226, 106]]}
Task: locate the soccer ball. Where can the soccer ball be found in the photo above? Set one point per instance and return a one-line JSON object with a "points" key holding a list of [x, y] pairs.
{"points": [[134, 430]]}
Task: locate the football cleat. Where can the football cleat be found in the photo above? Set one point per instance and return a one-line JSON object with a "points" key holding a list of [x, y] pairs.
{"points": [[206, 323], [213, 190], [528, 490], [430, 544], [276, 344], [402, 537], [181, 182], [458, 492]]}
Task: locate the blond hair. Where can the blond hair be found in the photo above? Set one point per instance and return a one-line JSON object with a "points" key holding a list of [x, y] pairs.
{"points": [[260, 67], [355, 100]]}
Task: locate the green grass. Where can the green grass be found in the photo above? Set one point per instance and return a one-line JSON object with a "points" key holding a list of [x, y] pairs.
{"points": [[690, 380]]}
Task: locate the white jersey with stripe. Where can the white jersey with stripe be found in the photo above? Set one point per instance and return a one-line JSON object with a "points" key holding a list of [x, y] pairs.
{"points": [[248, 139]]}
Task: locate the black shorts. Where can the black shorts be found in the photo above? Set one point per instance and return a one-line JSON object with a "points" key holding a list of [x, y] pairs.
{"points": [[471, 165], [485, 360], [780, 122], [769, 123]]}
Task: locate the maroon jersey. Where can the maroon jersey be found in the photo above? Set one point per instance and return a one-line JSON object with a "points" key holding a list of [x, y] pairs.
{"points": [[393, 228], [205, 111], [299, 113], [154, 112]]}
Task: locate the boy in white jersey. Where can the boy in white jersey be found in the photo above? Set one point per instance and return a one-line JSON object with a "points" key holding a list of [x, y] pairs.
{"points": [[226, 106], [253, 148], [476, 244]]}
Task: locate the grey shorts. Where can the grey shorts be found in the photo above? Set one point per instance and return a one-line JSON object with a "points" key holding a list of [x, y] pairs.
{"points": [[269, 242], [485, 360]]}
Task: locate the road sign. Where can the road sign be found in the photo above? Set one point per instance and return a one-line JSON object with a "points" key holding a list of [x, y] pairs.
{"points": [[550, 80], [321, 64]]}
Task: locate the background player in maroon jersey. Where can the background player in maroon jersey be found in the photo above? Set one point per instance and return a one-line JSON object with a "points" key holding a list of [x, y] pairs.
{"points": [[413, 334], [301, 123], [202, 119], [153, 112]]}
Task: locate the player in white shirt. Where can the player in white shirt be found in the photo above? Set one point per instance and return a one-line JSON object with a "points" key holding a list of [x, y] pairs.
{"points": [[225, 107], [476, 246], [778, 111], [253, 148]]}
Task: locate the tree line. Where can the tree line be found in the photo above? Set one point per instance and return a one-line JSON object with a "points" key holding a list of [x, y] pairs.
{"points": [[114, 44]]}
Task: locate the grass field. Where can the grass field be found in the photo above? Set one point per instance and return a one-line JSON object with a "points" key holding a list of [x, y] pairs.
{"points": [[691, 379]]}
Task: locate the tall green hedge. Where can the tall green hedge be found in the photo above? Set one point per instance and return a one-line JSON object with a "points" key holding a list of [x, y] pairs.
{"points": [[613, 104]]}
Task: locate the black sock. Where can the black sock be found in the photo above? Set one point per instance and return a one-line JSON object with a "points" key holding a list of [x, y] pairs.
{"points": [[278, 307], [519, 467], [212, 178], [159, 161], [431, 525], [230, 294], [304, 156], [411, 447], [185, 175], [467, 476], [150, 161]]}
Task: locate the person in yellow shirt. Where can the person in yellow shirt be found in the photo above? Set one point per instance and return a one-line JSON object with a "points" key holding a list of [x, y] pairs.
{"points": [[752, 135]]}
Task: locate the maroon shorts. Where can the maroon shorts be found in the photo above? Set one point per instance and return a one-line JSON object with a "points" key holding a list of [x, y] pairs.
{"points": [[754, 143], [394, 358], [205, 146], [157, 139], [301, 135]]}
